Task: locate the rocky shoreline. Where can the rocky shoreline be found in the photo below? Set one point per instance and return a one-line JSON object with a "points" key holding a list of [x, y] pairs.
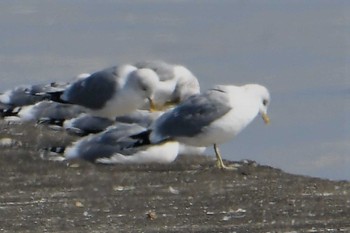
{"points": [[190, 195]]}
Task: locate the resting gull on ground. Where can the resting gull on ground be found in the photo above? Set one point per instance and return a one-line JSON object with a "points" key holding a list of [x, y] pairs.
{"points": [[177, 83], [213, 117], [46, 112], [86, 124], [117, 146], [28, 95], [114, 91]]}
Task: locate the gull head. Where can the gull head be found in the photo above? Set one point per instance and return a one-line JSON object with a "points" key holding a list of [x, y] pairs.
{"points": [[263, 97], [144, 81]]}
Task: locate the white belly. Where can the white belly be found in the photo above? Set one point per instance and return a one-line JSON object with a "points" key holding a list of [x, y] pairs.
{"points": [[221, 130]]}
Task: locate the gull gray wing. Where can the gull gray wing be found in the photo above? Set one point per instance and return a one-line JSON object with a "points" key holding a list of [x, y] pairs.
{"points": [[94, 91], [107, 143], [86, 124], [192, 116]]}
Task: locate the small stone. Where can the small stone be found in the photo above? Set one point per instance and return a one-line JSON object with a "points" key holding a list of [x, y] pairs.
{"points": [[79, 204], [151, 215], [74, 165], [123, 188], [174, 191], [6, 142]]}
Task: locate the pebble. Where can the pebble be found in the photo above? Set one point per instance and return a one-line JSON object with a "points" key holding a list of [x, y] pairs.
{"points": [[79, 204], [174, 191], [7, 142], [151, 215]]}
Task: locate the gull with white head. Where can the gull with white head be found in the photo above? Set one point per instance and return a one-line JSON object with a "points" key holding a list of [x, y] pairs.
{"points": [[176, 83], [213, 117], [114, 91]]}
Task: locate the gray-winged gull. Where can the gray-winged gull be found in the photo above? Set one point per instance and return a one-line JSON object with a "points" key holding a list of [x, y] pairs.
{"points": [[86, 124], [114, 91], [116, 146], [213, 117], [48, 111], [28, 95], [177, 83]]}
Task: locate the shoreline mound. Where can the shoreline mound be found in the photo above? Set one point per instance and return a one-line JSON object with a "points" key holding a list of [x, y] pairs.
{"points": [[190, 195]]}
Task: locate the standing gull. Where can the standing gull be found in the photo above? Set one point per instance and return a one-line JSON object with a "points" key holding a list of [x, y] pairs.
{"points": [[176, 83], [114, 91], [213, 117]]}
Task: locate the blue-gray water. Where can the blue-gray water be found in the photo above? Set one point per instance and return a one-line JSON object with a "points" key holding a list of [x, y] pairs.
{"points": [[298, 49]]}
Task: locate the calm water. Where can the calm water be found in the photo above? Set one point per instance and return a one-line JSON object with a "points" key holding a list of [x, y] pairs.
{"points": [[298, 49]]}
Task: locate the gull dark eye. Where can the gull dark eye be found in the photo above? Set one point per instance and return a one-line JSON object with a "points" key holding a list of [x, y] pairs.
{"points": [[144, 88], [265, 102], [142, 85]]}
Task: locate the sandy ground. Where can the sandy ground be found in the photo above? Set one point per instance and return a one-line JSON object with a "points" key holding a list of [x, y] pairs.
{"points": [[190, 195]]}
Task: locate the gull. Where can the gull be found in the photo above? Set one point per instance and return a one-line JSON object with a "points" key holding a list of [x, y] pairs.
{"points": [[113, 91], [11, 100], [86, 124], [49, 111], [213, 117], [116, 145], [176, 83], [30, 94]]}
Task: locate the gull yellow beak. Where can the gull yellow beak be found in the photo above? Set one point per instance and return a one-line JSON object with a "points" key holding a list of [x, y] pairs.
{"points": [[171, 104], [167, 105], [266, 118], [152, 107]]}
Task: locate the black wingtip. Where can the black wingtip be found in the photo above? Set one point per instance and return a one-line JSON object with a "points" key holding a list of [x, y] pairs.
{"points": [[55, 96], [9, 111], [55, 149], [142, 138], [50, 121]]}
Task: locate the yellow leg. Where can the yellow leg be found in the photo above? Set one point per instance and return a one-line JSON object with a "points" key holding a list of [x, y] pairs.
{"points": [[219, 163]]}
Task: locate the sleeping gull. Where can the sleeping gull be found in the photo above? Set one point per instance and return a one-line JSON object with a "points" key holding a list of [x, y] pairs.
{"points": [[177, 83], [28, 95], [46, 112], [114, 91], [85, 124], [116, 146], [213, 117]]}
